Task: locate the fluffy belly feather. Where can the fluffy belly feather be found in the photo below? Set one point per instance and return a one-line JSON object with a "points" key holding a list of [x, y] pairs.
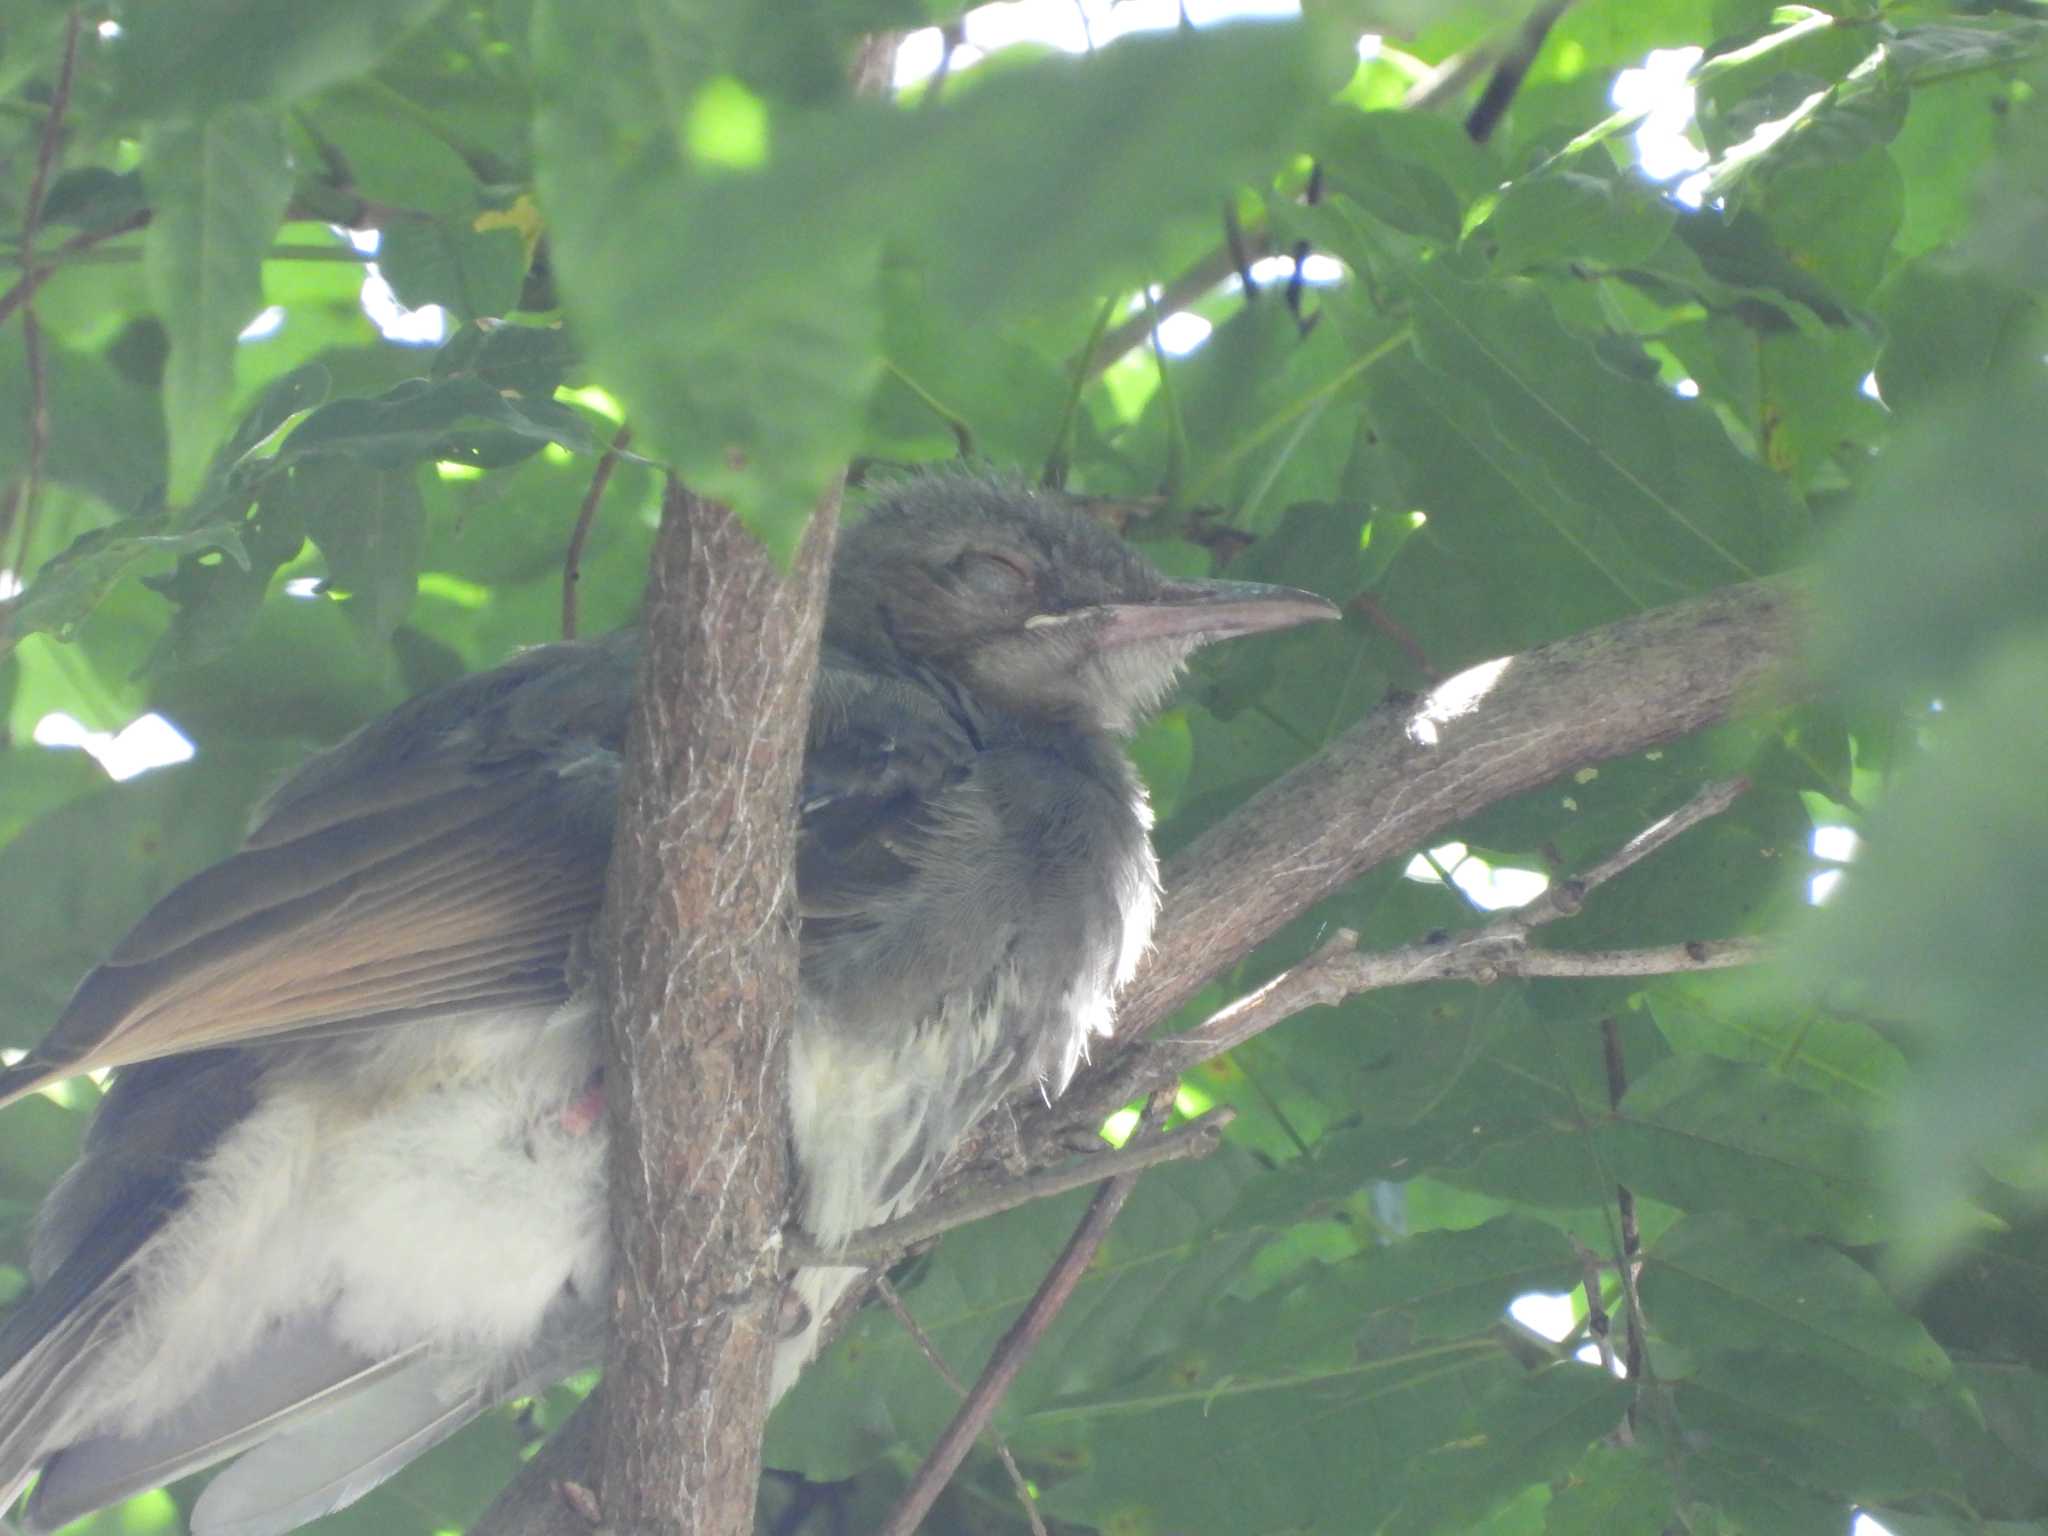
{"points": [[457, 1210]]}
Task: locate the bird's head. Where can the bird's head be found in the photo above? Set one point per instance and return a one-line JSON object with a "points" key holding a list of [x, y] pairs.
{"points": [[1026, 602]]}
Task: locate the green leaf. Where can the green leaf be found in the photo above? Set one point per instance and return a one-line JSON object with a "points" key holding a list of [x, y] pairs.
{"points": [[1517, 438], [40, 779], [1707, 1134], [1755, 101], [71, 585], [1613, 1491], [744, 357], [1433, 1285], [1902, 1523], [461, 418], [1992, 1303], [1814, 1423], [1756, 1017], [750, 376], [1814, 413], [474, 273], [1565, 213], [1916, 601], [188, 56], [1526, 1431], [1718, 1284], [1924, 54], [1164, 750], [387, 157], [1925, 925], [218, 189], [300, 677], [1412, 171], [1335, 1451], [41, 1142], [106, 433], [76, 879], [367, 522], [1000, 400], [303, 389], [93, 197], [1834, 219], [1723, 259], [217, 596], [1947, 328], [527, 360], [1950, 134], [1173, 122], [1739, 1490]]}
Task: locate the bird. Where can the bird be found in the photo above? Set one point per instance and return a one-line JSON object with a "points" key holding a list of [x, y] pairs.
{"points": [[346, 1189]]}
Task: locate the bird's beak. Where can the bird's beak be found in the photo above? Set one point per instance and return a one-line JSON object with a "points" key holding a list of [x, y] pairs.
{"points": [[1206, 610]]}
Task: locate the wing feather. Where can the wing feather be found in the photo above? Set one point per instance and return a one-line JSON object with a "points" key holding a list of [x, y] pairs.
{"points": [[442, 862]]}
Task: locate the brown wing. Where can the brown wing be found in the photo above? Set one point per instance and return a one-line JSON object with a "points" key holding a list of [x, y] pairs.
{"points": [[443, 862]]}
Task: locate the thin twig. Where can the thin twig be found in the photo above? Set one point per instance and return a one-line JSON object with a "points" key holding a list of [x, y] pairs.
{"points": [[1368, 605], [31, 332], [1015, 1348], [33, 278], [46, 147], [951, 36], [1241, 248], [1212, 270], [572, 561], [38, 436], [1558, 900], [888, 1242], [1498, 951], [1297, 280], [1176, 429], [1337, 971], [937, 1361], [1054, 475], [1625, 1204], [88, 249], [1598, 1324], [1240, 255], [1512, 69], [1446, 80]]}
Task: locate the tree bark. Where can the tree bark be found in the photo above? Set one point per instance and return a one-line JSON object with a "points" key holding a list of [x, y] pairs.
{"points": [[697, 952]]}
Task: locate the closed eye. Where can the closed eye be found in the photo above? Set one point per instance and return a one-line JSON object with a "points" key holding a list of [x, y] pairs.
{"points": [[993, 574]]}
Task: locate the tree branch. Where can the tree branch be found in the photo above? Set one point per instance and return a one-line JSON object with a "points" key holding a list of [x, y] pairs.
{"points": [[586, 514], [547, 1497], [890, 1241], [937, 1361], [1016, 1345], [697, 949], [1412, 768], [697, 953], [1497, 951]]}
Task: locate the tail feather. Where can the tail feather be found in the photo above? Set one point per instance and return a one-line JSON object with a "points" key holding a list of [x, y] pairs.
{"points": [[38, 1384], [301, 1372], [334, 1458]]}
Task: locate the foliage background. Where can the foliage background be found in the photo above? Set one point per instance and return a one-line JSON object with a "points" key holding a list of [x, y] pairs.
{"points": [[1597, 401]]}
